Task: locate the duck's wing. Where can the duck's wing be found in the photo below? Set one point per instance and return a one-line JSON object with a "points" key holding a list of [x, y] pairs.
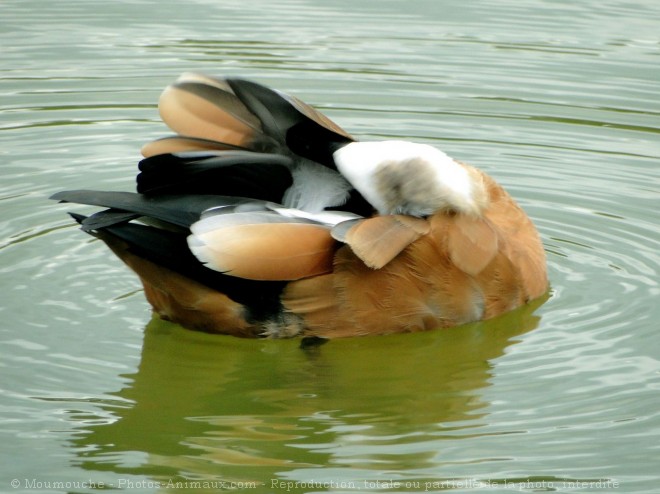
{"points": [[219, 114], [176, 210], [237, 137], [264, 176], [255, 239], [291, 122], [241, 237], [207, 108], [263, 245]]}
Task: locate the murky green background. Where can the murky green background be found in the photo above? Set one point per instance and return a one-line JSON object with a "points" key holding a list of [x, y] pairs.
{"points": [[558, 100]]}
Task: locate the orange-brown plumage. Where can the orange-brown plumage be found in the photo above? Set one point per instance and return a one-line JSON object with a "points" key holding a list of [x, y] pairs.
{"points": [[266, 252], [189, 114], [182, 300], [424, 288], [405, 239]]}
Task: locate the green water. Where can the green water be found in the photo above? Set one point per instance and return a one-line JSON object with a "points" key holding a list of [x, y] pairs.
{"points": [[559, 101]]}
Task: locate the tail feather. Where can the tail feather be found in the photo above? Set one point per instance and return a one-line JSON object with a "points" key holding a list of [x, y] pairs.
{"points": [[106, 219], [178, 210]]}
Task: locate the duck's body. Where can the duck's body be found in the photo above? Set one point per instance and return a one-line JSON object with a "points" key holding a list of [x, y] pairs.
{"points": [[264, 218]]}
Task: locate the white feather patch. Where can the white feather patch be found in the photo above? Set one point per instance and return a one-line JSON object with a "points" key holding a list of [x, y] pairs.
{"points": [[315, 187], [408, 178], [329, 218]]}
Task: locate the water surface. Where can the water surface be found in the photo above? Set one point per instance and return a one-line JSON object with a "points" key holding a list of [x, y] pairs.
{"points": [[557, 100]]}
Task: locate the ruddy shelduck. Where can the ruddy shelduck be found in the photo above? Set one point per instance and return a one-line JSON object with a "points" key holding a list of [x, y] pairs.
{"points": [[263, 218]]}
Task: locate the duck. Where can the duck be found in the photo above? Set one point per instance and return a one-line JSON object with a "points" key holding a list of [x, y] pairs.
{"points": [[259, 217]]}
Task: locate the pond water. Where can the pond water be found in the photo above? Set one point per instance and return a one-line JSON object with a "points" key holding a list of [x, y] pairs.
{"points": [[558, 100]]}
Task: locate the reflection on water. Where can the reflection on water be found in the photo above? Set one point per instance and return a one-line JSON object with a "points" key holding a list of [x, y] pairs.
{"points": [[199, 402], [556, 100]]}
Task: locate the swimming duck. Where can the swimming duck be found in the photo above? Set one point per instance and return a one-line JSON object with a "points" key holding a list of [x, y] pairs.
{"points": [[261, 217]]}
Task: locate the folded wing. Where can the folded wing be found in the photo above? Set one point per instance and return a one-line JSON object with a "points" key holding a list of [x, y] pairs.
{"points": [[263, 246]]}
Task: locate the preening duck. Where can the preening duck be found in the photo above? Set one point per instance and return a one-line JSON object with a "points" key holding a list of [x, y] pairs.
{"points": [[263, 218]]}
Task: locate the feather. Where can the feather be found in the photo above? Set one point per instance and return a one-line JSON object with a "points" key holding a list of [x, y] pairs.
{"points": [[234, 173], [316, 116], [315, 301], [180, 210], [189, 114], [380, 239], [182, 299], [220, 94], [329, 218], [316, 187], [232, 230], [519, 240], [107, 218], [262, 250], [409, 178], [292, 123], [472, 243], [163, 261], [178, 144], [254, 213]]}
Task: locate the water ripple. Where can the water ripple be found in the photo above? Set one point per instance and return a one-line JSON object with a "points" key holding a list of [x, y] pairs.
{"points": [[558, 101]]}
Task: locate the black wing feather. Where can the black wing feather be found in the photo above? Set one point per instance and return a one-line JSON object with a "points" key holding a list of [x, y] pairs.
{"points": [[222, 99], [179, 210], [285, 122], [235, 173]]}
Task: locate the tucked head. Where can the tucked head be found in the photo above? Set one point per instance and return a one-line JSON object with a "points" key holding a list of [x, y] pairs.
{"points": [[400, 177]]}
